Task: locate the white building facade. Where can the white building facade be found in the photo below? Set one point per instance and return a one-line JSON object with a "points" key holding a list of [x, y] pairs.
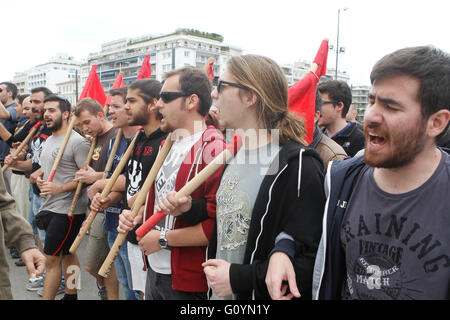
{"points": [[167, 52], [59, 69], [297, 70]]}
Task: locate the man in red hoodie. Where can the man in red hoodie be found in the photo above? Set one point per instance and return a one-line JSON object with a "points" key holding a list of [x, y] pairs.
{"points": [[176, 248]]}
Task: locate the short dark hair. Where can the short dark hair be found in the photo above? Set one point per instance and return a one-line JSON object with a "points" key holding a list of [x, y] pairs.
{"points": [[21, 97], [11, 87], [90, 105], [119, 92], [63, 104], [430, 65], [148, 89], [339, 91], [195, 81], [318, 102], [45, 90]]}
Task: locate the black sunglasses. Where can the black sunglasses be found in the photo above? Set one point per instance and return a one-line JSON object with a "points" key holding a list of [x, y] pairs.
{"points": [[167, 96], [231, 84]]}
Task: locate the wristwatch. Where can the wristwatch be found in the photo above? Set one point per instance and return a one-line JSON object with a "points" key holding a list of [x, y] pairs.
{"points": [[162, 239]]}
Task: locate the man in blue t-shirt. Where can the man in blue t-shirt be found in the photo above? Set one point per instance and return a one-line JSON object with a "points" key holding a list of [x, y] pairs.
{"points": [[8, 117], [119, 119]]}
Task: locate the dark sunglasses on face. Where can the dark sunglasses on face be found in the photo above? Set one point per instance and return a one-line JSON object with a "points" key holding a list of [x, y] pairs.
{"points": [[231, 84], [167, 96]]}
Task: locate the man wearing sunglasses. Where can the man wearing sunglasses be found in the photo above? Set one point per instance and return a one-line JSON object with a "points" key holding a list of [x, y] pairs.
{"points": [[336, 100], [175, 249]]}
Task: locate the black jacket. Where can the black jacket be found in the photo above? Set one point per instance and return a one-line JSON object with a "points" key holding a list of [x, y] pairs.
{"points": [[281, 207], [351, 139]]}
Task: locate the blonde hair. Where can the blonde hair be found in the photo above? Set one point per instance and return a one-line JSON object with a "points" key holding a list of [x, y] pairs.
{"points": [[266, 80]]}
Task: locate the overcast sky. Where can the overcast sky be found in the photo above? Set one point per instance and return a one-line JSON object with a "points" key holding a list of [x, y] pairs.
{"points": [[34, 31]]}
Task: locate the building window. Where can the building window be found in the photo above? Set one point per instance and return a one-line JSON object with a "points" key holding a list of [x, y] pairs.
{"points": [[187, 54]]}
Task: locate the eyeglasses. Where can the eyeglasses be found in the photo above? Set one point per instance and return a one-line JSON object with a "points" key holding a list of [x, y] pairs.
{"points": [[328, 102], [231, 84], [167, 96]]}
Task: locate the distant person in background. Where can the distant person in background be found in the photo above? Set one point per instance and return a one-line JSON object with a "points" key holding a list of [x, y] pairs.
{"points": [[8, 117], [336, 100], [327, 148], [352, 114]]}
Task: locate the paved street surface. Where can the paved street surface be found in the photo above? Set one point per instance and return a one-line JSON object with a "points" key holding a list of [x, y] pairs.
{"points": [[19, 279]]}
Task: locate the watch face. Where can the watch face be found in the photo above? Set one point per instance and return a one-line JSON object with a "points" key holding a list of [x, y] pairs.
{"points": [[162, 242]]}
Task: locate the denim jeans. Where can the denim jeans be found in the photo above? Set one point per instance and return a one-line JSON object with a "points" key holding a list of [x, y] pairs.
{"points": [[35, 206], [123, 269], [31, 213]]}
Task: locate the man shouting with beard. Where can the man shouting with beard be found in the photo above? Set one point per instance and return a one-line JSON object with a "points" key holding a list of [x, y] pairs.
{"points": [[385, 229], [60, 229]]}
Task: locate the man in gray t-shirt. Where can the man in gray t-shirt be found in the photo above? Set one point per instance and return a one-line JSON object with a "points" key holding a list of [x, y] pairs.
{"points": [[73, 159], [386, 227], [60, 229], [396, 245]]}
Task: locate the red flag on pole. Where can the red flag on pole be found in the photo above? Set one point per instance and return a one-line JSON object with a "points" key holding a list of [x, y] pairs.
{"points": [[146, 69], [93, 87], [302, 94], [117, 84], [209, 68]]}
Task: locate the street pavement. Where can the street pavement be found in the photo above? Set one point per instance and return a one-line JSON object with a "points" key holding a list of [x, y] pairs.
{"points": [[19, 279]]}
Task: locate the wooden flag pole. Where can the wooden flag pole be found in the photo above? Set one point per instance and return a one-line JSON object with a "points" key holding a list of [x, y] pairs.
{"points": [[87, 224], [192, 185], [24, 143], [113, 153], [61, 148], [138, 203], [80, 184]]}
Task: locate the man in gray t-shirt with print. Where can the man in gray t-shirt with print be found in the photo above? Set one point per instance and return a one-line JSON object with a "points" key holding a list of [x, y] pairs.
{"points": [[61, 229], [386, 229]]}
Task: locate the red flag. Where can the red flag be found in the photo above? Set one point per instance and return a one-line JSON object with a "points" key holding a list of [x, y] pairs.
{"points": [[302, 94], [117, 84], [146, 69], [93, 87], [209, 69]]}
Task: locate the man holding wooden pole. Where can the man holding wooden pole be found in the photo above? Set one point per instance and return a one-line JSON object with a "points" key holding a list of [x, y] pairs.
{"points": [[141, 110], [119, 118], [58, 193], [29, 162], [176, 248], [93, 122]]}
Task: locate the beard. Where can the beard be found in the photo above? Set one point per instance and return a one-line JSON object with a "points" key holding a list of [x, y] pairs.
{"points": [[140, 118], [403, 146], [57, 124]]}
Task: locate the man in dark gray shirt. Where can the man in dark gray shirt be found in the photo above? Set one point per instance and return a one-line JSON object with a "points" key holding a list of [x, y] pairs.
{"points": [[386, 221], [387, 217]]}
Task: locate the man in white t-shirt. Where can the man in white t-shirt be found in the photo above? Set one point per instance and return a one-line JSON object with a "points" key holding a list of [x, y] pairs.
{"points": [[176, 248]]}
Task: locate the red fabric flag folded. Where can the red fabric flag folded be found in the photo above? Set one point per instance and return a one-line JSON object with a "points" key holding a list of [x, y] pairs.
{"points": [[93, 87], [146, 69], [302, 94], [117, 84]]}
